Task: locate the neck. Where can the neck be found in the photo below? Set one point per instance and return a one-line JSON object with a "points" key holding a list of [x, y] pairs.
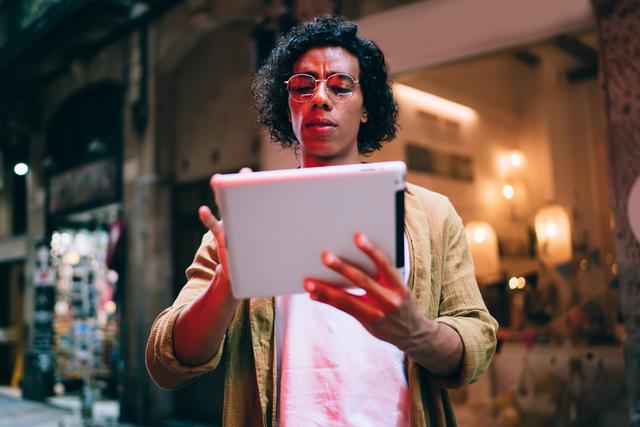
{"points": [[308, 160]]}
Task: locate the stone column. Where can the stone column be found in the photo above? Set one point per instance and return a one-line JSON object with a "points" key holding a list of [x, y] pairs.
{"points": [[148, 185], [619, 38], [36, 385]]}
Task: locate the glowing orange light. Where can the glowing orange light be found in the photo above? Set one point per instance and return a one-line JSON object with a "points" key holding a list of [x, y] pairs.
{"points": [[436, 104], [508, 191]]}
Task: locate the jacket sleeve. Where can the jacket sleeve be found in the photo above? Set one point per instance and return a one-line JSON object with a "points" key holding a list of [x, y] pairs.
{"points": [[462, 306], [163, 365]]}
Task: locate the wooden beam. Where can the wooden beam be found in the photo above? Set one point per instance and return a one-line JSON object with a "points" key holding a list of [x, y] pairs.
{"points": [[579, 74], [577, 49], [526, 57]]}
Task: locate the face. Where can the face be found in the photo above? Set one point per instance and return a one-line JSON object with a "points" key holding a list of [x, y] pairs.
{"points": [[326, 128]]}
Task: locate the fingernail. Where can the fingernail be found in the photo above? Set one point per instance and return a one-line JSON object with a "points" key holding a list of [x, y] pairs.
{"points": [[362, 240], [329, 258], [309, 285]]}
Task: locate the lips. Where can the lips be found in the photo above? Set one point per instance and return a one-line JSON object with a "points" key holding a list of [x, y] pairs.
{"points": [[320, 122]]}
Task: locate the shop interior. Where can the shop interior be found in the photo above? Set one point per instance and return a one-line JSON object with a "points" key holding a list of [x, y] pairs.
{"points": [[82, 257], [79, 263], [516, 140]]}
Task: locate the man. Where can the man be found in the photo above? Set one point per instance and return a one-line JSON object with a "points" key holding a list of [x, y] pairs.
{"points": [[331, 357]]}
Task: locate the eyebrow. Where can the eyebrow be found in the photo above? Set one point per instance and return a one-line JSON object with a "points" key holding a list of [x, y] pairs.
{"points": [[315, 75]]}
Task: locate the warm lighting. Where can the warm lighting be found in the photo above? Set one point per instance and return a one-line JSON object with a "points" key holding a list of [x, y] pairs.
{"points": [[61, 308], [479, 235], [516, 159], [58, 389], [511, 163], [110, 307], [20, 169], [584, 264], [484, 250], [517, 283], [71, 258], [508, 191], [435, 104], [553, 231]]}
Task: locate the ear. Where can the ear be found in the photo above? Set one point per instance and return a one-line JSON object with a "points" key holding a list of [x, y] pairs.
{"points": [[364, 117]]}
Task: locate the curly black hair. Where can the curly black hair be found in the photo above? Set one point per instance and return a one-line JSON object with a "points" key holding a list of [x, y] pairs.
{"points": [[327, 31]]}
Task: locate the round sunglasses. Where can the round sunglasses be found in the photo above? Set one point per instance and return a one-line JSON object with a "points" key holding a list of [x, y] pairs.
{"points": [[339, 86]]}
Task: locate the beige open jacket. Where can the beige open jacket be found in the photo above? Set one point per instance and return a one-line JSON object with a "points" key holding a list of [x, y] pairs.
{"points": [[442, 283]]}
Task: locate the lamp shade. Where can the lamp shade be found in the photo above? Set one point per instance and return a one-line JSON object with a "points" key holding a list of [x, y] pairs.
{"points": [[484, 250], [553, 231]]}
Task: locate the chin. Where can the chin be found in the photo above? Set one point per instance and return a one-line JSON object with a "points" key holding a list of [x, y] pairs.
{"points": [[324, 150]]}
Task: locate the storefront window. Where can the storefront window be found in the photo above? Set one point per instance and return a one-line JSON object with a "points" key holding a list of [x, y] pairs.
{"points": [[529, 126], [85, 321]]}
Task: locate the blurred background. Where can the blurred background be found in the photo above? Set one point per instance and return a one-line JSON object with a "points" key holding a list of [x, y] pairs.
{"points": [[115, 113]]}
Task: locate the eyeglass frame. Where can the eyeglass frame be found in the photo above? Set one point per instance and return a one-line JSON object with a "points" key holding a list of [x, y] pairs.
{"points": [[356, 82]]}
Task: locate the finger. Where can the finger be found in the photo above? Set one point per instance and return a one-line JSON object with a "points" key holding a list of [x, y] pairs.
{"points": [[365, 312], [212, 182], [385, 297], [378, 257], [246, 170], [209, 220]]}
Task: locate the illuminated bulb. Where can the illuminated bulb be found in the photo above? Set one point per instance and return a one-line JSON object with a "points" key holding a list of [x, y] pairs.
{"points": [[513, 283], [553, 232], [614, 269], [58, 389], [516, 159], [61, 308], [479, 235], [71, 258], [110, 307], [483, 244], [20, 169], [521, 282], [551, 229], [508, 191], [112, 276], [584, 264]]}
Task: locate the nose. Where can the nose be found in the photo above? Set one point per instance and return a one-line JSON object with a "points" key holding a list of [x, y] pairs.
{"points": [[321, 98]]}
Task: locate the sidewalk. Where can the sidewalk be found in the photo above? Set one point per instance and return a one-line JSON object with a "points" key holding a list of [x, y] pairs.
{"points": [[64, 411], [61, 412], [15, 412]]}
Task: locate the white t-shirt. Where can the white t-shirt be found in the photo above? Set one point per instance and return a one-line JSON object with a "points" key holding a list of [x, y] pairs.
{"points": [[332, 371]]}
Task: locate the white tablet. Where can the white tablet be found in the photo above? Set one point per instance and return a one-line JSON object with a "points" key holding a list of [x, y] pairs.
{"points": [[278, 223]]}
